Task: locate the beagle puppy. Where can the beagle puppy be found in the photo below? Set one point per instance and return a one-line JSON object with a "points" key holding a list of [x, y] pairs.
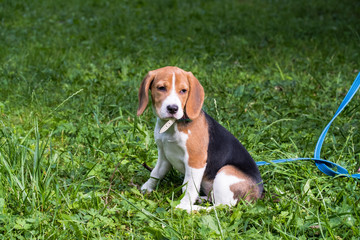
{"points": [[192, 142]]}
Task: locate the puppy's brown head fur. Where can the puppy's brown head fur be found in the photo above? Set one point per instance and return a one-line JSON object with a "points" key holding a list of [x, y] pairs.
{"points": [[174, 92]]}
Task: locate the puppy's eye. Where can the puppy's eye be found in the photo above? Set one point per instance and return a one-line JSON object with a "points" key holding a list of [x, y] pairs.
{"points": [[183, 91], [163, 89]]}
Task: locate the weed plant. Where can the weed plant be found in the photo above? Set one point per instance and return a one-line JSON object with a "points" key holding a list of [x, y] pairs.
{"points": [[72, 148]]}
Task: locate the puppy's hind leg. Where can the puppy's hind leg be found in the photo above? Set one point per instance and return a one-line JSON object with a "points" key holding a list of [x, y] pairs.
{"points": [[231, 184]]}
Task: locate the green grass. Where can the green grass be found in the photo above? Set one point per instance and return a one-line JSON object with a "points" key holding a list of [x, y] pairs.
{"points": [[72, 148]]}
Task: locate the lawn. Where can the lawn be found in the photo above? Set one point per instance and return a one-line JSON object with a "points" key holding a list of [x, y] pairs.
{"points": [[72, 148]]}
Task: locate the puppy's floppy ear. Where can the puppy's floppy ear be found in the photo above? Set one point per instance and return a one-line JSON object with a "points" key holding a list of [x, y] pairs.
{"points": [[144, 92], [196, 97]]}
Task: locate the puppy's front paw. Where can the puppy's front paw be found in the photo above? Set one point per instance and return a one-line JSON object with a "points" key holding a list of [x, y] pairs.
{"points": [[184, 206], [147, 187], [190, 207]]}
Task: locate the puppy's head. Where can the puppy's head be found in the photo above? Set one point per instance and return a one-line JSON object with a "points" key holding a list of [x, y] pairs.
{"points": [[174, 93]]}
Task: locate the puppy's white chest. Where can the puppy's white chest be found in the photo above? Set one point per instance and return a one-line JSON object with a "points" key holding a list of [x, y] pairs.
{"points": [[173, 145]]}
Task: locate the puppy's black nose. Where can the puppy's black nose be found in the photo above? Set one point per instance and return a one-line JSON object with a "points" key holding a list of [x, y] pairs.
{"points": [[172, 108]]}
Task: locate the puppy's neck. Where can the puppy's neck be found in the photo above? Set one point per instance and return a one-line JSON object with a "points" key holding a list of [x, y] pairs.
{"points": [[160, 124]]}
